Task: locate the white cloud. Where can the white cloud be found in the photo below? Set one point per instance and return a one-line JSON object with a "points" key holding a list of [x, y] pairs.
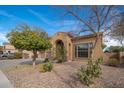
{"points": [[53, 23], [11, 16], [4, 13], [3, 34], [65, 23], [110, 42], [3, 38], [39, 16]]}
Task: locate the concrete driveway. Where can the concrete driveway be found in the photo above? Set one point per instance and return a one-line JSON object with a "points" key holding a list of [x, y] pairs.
{"points": [[4, 82]]}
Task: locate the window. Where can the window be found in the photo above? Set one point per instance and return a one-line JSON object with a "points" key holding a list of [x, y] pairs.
{"points": [[83, 50]]}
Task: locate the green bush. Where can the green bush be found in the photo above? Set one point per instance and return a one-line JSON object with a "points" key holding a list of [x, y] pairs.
{"points": [[84, 76], [46, 60], [113, 62], [94, 67], [93, 70], [48, 66]]}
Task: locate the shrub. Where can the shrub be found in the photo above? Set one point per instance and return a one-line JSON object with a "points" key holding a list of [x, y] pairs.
{"points": [[48, 66], [46, 60], [17, 55], [113, 62], [11, 57], [92, 70], [84, 76]]}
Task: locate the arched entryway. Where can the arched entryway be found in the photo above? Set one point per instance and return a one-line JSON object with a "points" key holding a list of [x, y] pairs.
{"points": [[60, 50], [59, 43]]}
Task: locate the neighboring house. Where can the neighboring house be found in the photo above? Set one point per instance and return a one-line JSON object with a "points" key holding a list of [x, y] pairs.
{"points": [[8, 48]]}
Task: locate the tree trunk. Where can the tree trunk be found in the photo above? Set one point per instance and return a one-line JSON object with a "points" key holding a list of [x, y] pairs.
{"points": [[34, 57], [97, 48]]}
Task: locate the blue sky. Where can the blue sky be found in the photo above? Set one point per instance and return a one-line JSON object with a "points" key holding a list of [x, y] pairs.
{"points": [[49, 18]]}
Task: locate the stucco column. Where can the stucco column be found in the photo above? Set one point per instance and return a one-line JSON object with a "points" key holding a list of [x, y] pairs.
{"points": [[70, 53]]}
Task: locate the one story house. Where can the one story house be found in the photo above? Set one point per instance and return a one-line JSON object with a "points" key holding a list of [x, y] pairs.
{"points": [[78, 48]]}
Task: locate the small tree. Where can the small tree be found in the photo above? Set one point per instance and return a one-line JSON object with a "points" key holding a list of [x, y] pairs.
{"points": [[32, 39]]}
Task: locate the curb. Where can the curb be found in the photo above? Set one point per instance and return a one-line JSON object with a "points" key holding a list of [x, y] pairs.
{"points": [[4, 82]]}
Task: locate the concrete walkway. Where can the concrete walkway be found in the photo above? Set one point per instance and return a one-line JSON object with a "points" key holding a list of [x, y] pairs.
{"points": [[4, 82]]}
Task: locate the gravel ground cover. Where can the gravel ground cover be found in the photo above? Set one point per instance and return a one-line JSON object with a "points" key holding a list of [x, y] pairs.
{"points": [[62, 76]]}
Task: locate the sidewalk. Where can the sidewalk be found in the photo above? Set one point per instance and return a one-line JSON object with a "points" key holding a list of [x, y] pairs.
{"points": [[4, 82]]}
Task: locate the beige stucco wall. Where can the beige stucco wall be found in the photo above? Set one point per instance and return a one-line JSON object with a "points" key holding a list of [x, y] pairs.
{"points": [[67, 43]]}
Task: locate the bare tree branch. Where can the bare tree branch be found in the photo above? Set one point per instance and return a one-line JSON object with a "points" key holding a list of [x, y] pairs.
{"points": [[80, 19], [95, 10], [106, 15]]}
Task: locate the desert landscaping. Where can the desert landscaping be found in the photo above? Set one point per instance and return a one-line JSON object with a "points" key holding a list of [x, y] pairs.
{"points": [[62, 76]]}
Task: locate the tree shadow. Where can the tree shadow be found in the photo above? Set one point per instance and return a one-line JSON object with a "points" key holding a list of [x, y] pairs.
{"points": [[72, 82], [29, 62], [121, 65]]}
